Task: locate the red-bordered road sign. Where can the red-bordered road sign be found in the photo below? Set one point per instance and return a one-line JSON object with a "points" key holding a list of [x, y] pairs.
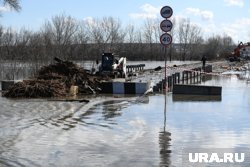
{"points": [[166, 12], [166, 39], [166, 25]]}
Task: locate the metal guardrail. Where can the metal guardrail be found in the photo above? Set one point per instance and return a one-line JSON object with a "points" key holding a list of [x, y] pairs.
{"points": [[134, 68], [185, 77]]}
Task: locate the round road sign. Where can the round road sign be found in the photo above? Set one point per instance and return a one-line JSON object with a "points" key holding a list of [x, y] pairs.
{"points": [[166, 39], [166, 25], [166, 12]]}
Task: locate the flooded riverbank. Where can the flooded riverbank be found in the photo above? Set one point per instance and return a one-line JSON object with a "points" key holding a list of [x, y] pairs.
{"points": [[123, 131]]}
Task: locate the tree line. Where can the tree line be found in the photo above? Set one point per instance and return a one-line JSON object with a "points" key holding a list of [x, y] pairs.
{"points": [[70, 39]]}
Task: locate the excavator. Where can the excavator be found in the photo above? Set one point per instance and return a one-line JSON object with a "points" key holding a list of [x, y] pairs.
{"points": [[113, 66], [241, 51]]}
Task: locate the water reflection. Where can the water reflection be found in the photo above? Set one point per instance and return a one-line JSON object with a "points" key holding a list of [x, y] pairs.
{"points": [[111, 109], [93, 114], [205, 78], [100, 114], [164, 141]]}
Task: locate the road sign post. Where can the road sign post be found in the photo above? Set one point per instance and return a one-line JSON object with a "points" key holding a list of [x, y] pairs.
{"points": [[166, 39], [166, 12], [166, 25]]}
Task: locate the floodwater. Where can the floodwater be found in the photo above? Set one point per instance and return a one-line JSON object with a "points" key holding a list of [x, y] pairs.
{"points": [[124, 131]]}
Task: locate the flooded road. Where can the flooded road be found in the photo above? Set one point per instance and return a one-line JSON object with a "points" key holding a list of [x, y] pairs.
{"points": [[123, 131]]}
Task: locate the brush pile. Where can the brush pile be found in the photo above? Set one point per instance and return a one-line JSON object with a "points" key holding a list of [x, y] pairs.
{"points": [[55, 80], [37, 89]]}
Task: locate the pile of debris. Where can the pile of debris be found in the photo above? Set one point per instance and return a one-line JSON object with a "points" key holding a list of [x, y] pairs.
{"points": [[55, 80], [36, 89]]}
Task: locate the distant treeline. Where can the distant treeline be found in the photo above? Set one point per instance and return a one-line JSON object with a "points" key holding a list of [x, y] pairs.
{"points": [[71, 39]]}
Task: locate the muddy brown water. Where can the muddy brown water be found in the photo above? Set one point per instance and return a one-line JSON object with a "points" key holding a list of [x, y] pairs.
{"points": [[123, 131]]}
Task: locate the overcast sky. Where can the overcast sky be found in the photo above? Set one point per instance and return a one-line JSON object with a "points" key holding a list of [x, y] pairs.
{"points": [[231, 17]]}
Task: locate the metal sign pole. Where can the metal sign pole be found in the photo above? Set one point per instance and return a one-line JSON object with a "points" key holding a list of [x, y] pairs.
{"points": [[165, 57], [166, 39]]}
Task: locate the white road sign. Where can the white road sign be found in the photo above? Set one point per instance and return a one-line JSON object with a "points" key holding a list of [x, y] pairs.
{"points": [[166, 39], [166, 25], [166, 12]]}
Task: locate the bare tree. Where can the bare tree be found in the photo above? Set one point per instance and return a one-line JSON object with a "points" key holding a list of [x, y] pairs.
{"points": [[212, 47], [157, 47], [81, 39], [14, 4], [22, 41], [81, 36], [183, 34], [1, 51], [68, 38], [36, 50], [9, 43], [96, 37], [62, 28], [107, 34], [190, 39], [218, 47], [130, 37], [172, 52], [148, 34], [1, 38], [47, 43], [112, 32], [227, 46], [195, 42], [129, 45], [140, 49]]}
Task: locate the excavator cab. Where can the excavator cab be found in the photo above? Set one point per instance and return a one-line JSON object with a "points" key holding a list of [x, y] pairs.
{"points": [[107, 62]]}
